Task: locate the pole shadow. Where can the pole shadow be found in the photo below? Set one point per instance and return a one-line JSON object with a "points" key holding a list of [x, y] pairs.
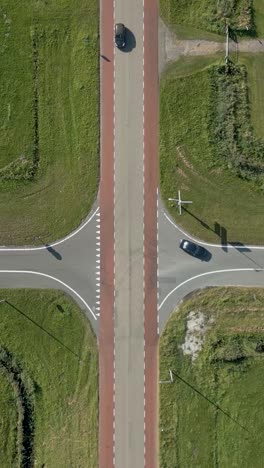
{"points": [[42, 329], [53, 252], [218, 229], [211, 402], [105, 58], [197, 219], [222, 233], [241, 248]]}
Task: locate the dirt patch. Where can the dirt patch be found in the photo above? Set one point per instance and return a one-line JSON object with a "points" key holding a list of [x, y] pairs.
{"points": [[181, 173], [181, 153], [171, 48], [196, 326]]}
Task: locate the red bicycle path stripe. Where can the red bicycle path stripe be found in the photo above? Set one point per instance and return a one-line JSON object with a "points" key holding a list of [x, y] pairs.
{"points": [[106, 198], [150, 229]]}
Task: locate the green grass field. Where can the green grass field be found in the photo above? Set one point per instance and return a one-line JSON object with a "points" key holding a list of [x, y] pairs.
{"points": [[259, 17], [211, 415], [53, 343], [187, 160], [255, 67], [49, 117], [200, 18]]}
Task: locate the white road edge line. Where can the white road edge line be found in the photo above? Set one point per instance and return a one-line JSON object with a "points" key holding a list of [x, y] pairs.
{"points": [[206, 274], [74, 233], [144, 263], [114, 216], [28, 272], [219, 246]]}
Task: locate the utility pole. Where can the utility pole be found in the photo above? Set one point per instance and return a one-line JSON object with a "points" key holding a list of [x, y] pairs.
{"points": [[167, 381], [179, 201], [227, 45]]}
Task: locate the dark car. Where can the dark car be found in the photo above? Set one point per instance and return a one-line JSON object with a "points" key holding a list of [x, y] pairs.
{"points": [[120, 35], [195, 250]]}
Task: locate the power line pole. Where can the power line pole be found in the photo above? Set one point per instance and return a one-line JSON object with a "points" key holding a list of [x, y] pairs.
{"points": [[227, 45]]}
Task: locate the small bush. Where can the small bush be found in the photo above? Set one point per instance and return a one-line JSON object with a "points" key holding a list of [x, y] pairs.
{"points": [[211, 15], [230, 130], [24, 391]]}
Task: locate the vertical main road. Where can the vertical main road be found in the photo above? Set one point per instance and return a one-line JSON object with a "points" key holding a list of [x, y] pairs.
{"points": [[128, 208], [129, 240]]}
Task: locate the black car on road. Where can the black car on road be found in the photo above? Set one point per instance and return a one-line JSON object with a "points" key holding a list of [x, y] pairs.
{"points": [[120, 35], [195, 250]]}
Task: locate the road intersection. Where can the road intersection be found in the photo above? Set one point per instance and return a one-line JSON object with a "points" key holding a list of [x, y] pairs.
{"points": [[128, 249]]}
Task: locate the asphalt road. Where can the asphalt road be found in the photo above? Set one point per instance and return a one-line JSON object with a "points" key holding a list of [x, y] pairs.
{"points": [[128, 220], [180, 274], [75, 261], [71, 265]]}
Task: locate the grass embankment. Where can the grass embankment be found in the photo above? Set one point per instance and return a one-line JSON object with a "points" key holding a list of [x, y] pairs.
{"points": [[259, 16], [190, 111], [191, 19], [49, 118], [55, 348], [211, 415]]}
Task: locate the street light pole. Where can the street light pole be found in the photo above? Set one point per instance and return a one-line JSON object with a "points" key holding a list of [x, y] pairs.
{"points": [[179, 201]]}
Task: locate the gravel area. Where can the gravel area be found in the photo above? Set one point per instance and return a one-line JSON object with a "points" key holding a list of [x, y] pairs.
{"points": [[171, 48]]}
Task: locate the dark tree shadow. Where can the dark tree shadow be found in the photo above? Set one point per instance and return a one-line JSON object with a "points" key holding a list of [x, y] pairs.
{"points": [[222, 233], [218, 229], [241, 248]]}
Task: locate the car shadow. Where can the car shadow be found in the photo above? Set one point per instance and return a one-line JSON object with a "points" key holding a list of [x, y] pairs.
{"points": [[206, 257], [130, 41]]}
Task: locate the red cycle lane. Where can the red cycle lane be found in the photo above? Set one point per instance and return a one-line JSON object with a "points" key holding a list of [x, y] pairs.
{"points": [[150, 229], [106, 198]]}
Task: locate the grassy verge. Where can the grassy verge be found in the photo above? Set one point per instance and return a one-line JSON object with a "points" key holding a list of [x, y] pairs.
{"points": [[259, 17], [208, 15], [211, 414], [187, 159], [49, 124], [255, 67], [46, 333]]}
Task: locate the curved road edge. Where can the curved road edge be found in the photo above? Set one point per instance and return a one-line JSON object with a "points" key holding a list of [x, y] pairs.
{"points": [[225, 277], [76, 231]]}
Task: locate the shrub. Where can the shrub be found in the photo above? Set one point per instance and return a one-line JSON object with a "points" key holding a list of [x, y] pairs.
{"points": [[230, 130]]}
